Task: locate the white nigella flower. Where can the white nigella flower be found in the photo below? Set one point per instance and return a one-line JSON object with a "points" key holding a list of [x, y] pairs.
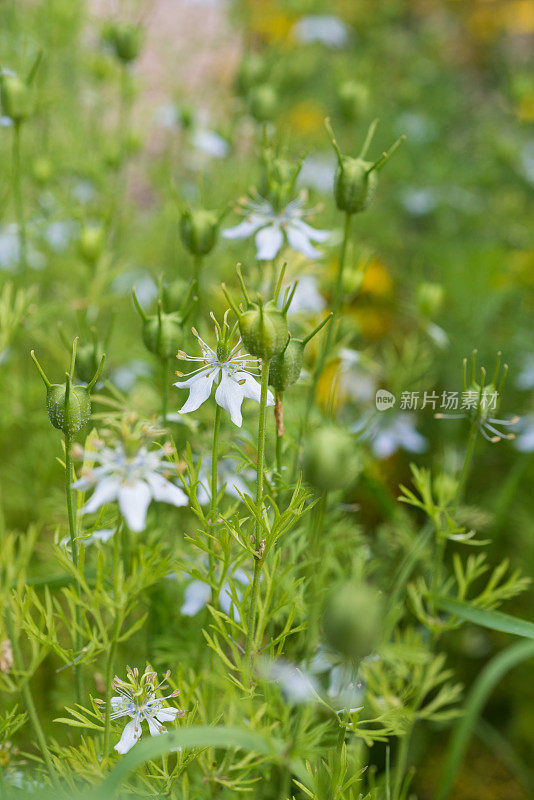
{"points": [[270, 227], [137, 698], [132, 480], [325, 28], [297, 684], [344, 685], [391, 432], [199, 593], [525, 437], [306, 297], [230, 369]]}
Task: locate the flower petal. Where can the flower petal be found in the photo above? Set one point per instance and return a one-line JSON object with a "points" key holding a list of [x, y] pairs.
{"points": [[154, 727], [192, 379], [167, 714], [251, 388], [166, 492], [199, 391], [105, 492], [269, 241], [245, 229], [299, 241], [130, 736], [196, 596], [229, 395], [134, 500], [315, 234]]}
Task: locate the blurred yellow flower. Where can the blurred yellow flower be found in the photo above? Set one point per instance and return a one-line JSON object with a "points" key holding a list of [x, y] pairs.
{"points": [[269, 20], [525, 108], [376, 281], [306, 118]]}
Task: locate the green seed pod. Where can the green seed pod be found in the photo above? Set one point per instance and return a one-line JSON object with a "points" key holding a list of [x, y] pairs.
{"points": [[263, 102], [354, 185], [285, 368], [162, 334], [42, 170], [278, 179], [356, 179], [68, 405], [125, 40], [264, 330], [172, 294], [353, 619], [353, 98], [91, 243], [88, 358], [16, 98], [430, 297], [331, 460], [252, 71], [199, 229], [71, 416]]}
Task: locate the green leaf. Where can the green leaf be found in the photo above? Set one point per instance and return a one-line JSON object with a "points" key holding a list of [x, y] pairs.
{"points": [[199, 736], [490, 676], [495, 620]]}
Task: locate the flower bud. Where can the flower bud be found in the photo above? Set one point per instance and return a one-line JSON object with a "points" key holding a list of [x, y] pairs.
{"points": [[199, 229], [263, 102], [278, 179], [69, 405], [16, 98], [252, 71], [173, 293], [163, 332], [91, 243], [430, 297], [88, 358], [125, 41], [356, 179], [353, 98], [68, 413], [264, 330], [353, 619], [42, 170], [285, 368], [331, 461]]}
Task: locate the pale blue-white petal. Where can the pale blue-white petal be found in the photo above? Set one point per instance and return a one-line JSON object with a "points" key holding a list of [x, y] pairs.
{"points": [[166, 492], [300, 241], [199, 391], [268, 241], [229, 395], [167, 714], [130, 736], [134, 500], [105, 492], [196, 596], [245, 228], [250, 387]]}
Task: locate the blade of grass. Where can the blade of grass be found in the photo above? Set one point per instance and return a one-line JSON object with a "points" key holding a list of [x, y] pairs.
{"points": [[490, 676], [495, 620]]}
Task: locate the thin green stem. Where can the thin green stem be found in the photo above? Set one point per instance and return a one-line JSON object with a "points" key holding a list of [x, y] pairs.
{"points": [[314, 571], [164, 391], [17, 195], [198, 264], [214, 485], [74, 549], [117, 624], [401, 763], [258, 557], [279, 422], [26, 691], [467, 462]]}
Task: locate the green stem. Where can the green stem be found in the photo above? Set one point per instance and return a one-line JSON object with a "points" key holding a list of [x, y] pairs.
{"points": [[279, 422], [336, 307], [314, 571], [258, 557], [74, 549], [198, 264], [117, 624], [214, 487], [26, 691], [400, 764], [17, 195], [467, 462], [164, 392]]}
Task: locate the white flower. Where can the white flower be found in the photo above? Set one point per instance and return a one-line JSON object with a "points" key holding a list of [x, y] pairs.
{"points": [[234, 483], [389, 433], [269, 227], [297, 685], [137, 699], [325, 28], [307, 297], [210, 143], [199, 593], [525, 437], [235, 382], [525, 379], [344, 685], [132, 480]]}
